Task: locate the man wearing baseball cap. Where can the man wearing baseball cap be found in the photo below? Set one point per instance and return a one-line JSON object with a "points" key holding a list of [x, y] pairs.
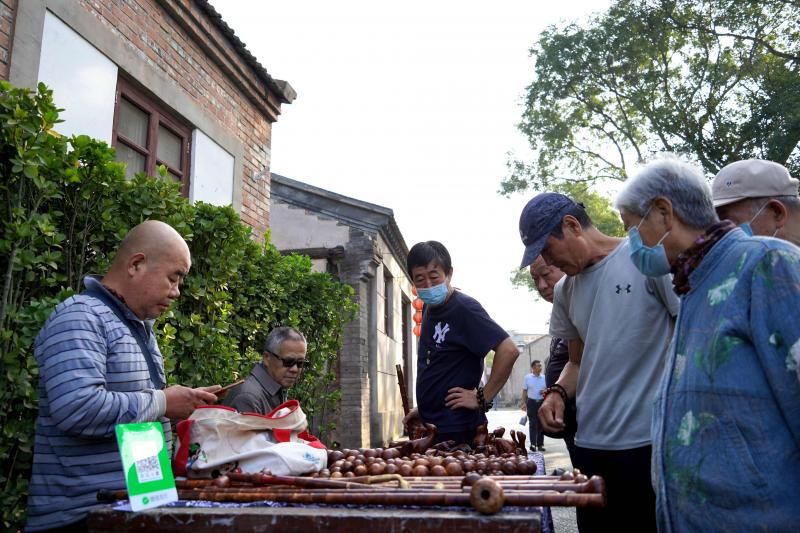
{"points": [[760, 196], [618, 324]]}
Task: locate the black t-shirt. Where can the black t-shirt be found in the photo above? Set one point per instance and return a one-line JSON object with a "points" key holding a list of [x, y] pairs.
{"points": [[559, 355], [453, 342]]}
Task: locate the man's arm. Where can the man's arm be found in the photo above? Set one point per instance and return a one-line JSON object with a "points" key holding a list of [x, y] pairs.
{"points": [[505, 355], [551, 413], [72, 356], [569, 376], [524, 402]]}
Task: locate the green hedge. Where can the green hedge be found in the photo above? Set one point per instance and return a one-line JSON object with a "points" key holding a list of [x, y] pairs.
{"points": [[64, 207]]}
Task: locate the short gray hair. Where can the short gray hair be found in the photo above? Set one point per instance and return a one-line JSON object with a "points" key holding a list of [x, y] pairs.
{"points": [[682, 183], [280, 335]]}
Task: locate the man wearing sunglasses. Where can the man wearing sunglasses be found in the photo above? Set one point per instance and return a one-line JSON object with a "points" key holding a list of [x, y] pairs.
{"points": [[284, 356]]}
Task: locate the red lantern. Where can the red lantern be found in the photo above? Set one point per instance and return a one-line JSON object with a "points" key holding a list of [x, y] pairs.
{"points": [[417, 304]]}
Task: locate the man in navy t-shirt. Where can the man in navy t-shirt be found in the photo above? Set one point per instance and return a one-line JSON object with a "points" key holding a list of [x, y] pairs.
{"points": [[455, 337]]}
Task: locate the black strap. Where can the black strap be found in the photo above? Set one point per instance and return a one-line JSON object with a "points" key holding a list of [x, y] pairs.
{"points": [[135, 330]]}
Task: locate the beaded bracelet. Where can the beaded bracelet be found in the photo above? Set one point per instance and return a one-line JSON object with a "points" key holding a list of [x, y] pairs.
{"points": [[482, 405], [559, 389]]}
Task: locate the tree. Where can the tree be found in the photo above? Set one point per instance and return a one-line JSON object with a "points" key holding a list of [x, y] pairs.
{"points": [[65, 205], [599, 209], [716, 81]]}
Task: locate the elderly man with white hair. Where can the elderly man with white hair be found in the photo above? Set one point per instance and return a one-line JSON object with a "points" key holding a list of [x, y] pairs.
{"points": [[726, 426]]}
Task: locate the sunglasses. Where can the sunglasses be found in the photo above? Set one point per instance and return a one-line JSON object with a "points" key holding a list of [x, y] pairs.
{"points": [[289, 363]]}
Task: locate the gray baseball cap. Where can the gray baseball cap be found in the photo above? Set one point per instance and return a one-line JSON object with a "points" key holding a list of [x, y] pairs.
{"points": [[751, 178]]}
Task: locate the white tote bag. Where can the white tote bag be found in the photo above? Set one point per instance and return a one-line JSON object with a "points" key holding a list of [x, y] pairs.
{"points": [[218, 439]]}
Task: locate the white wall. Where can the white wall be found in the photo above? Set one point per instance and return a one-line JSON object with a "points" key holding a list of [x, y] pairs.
{"points": [[390, 350], [84, 81], [294, 228], [212, 169]]}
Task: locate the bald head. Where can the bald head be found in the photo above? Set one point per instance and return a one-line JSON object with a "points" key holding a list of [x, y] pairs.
{"points": [[149, 268], [152, 238]]}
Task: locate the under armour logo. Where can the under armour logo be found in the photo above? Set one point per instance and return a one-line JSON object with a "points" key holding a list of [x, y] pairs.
{"points": [[627, 289], [440, 332]]}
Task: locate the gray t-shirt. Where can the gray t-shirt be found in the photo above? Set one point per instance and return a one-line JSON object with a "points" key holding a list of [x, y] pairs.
{"points": [[625, 321]]}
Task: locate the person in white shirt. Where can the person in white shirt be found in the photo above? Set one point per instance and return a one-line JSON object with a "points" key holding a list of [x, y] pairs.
{"points": [[531, 401]]}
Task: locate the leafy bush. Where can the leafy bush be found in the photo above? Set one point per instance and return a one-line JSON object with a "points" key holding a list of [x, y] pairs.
{"points": [[64, 207]]}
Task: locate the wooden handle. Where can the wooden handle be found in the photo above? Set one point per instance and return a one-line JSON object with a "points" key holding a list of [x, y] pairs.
{"points": [[401, 382]]}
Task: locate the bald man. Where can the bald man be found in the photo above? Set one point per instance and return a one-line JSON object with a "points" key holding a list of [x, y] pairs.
{"points": [[99, 365]]}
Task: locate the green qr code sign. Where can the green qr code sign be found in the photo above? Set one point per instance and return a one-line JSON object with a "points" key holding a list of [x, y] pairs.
{"points": [[145, 462]]}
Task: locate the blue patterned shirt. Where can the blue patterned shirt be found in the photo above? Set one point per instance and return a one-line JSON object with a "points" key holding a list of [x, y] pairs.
{"points": [[726, 427]]}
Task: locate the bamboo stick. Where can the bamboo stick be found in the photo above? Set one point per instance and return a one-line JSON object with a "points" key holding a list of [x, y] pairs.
{"points": [[531, 499], [294, 481], [369, 497]]}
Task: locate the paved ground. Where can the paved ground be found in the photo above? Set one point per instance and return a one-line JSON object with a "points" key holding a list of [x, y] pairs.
{"points": [[556, 456]]}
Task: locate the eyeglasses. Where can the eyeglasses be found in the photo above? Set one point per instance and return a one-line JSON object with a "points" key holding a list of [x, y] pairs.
{"points": [[289, 363]]}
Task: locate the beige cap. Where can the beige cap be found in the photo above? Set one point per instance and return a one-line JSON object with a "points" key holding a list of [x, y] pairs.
{"points": [[751, 178]]}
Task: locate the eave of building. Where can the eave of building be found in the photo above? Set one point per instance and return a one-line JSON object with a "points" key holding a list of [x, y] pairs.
{"points": [[368, 217], [281, 91]]}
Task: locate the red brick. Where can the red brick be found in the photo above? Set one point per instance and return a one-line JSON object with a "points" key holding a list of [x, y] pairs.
{"points": [[146, 26]]}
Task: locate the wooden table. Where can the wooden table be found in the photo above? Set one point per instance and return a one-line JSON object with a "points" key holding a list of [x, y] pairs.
{"points": [[313, 519]]}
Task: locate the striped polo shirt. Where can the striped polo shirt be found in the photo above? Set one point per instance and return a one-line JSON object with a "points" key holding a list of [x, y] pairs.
{"points": [[92, 376]]}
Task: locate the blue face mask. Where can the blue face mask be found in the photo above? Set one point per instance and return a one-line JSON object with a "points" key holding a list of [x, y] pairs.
{"points": [[650, 260], [747, 226], [435, 295]]}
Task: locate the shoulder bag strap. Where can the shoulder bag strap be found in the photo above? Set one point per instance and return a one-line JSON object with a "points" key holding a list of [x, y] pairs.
{"points": [[135, 331]]}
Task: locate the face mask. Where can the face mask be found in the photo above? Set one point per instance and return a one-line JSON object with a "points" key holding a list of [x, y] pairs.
{"points": [[435, 295], [747, 226], [651, 261]]}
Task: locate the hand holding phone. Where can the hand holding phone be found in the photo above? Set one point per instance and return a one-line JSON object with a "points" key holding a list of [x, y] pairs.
{"points": [[224, 390]]}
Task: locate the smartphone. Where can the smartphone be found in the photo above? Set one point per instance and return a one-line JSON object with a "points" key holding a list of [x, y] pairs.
{"points": [[226, 388]]}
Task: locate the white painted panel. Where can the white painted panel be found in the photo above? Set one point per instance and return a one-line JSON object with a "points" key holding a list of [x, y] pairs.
{"points": [[212, 171], [294, 228], [83, 80]]}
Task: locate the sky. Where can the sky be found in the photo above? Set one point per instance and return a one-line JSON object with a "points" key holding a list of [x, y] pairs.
{"points": [[413, 106]]}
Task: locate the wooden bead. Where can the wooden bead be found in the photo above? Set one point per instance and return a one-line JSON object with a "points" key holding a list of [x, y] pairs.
{"points": [[419, 470], [454, 469], [438, 470], [487, 496]]}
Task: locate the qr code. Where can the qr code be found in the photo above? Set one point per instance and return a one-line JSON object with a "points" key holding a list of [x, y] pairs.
{"points": [[148, 469]]}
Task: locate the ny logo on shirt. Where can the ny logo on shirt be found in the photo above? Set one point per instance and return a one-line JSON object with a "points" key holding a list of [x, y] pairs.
{"points": [[440, 332]]}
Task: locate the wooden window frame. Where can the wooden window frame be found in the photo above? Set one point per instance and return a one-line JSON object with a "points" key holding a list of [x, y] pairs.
{"points": [[159, 116], [388, 303]]}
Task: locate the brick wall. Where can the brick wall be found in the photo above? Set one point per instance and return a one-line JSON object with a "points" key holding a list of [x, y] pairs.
{"points": [[178, 38], [7, 11]]}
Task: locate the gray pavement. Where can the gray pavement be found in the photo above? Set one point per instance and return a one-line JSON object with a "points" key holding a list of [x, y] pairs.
{"points": [[555, 456]]}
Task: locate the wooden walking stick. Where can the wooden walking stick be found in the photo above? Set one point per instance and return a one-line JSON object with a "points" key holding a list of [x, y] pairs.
{"points": [[401, 382]]}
